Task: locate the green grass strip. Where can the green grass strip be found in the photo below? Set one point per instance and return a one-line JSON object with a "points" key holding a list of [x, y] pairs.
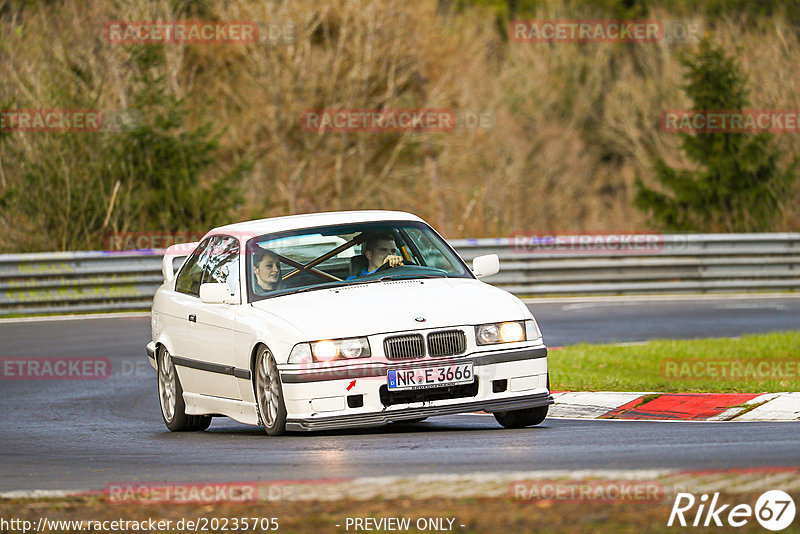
{"points": [[750, 364]]}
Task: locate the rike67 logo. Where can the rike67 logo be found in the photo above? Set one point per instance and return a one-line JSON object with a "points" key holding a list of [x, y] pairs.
{"points": [[774, 510]]}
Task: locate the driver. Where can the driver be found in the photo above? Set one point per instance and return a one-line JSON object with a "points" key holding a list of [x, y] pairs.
{"points": [[380, 249]]}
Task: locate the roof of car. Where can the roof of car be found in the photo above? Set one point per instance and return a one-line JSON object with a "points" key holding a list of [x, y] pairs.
{"points": [[310, 220]]}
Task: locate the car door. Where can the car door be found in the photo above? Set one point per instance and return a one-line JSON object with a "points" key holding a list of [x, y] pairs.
{"points": [[210, 343], [176, 319]]}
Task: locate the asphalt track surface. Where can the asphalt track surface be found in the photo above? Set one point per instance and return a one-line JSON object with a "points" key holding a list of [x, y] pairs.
{"points": [[59, 434]]}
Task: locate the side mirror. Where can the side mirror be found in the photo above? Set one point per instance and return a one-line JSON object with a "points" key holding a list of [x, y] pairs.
{"points": [[215, 294], [487, 265]]}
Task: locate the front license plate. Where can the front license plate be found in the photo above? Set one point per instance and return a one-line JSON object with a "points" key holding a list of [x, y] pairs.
{"points": [[430, 377]]}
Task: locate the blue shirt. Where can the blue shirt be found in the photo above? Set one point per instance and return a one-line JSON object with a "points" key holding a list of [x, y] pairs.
{"points": [[364, 272]]}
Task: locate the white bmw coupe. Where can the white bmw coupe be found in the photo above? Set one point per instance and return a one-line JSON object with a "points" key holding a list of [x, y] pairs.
{"points": [[333, 320]]}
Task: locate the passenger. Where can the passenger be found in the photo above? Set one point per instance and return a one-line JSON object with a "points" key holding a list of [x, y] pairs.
{"points": [[266, 272], [379, 249]]}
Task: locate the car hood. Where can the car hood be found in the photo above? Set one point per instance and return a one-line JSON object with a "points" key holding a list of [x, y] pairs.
{"points": [[381, 307]]}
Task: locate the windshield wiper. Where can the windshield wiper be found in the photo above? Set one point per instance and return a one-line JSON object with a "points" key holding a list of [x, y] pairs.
{"points": [[390, 277], [358, 281], [312, 288], [332, 285]]}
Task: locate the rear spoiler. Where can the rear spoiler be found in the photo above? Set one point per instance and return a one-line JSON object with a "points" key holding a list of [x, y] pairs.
{"points": [[175, 251]]}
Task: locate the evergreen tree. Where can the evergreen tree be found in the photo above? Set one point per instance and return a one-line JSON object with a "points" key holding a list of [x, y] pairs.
{"points": [[739, 186]]}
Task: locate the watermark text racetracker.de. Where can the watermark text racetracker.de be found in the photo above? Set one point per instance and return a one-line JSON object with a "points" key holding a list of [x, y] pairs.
{"points": [[587, 490], [136, 32], [731, 369], [605, 31], [730, 121], [71, 368], [182, 493], [55, 368], [121, 241], [395, 120], [217, 492], [612, 243], [69, 120], [182, 243]]}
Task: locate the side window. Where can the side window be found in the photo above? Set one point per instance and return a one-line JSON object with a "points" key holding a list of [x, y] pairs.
{"points": [[430, 251], [222, 265], [191, 274]]}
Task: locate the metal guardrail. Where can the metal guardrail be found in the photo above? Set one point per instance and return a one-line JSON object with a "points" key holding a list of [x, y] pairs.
{"points": [[68, 282]]}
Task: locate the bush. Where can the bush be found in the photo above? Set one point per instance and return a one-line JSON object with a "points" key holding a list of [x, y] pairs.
{"points": [[146, 176]]}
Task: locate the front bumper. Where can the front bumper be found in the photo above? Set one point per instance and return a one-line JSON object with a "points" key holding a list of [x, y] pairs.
{"points": [[320, 399], [151, 354], [382, 418]]}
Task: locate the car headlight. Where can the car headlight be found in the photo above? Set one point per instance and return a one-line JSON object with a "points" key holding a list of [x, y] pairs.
{"points": [[508, 332], [327, 350]]}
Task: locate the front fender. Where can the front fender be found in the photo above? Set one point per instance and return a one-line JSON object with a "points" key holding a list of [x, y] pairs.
{"points": [[153, 347], [259, 326]]}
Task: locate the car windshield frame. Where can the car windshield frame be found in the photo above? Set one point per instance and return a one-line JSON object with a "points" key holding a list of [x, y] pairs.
{"points": [[360, 228]]}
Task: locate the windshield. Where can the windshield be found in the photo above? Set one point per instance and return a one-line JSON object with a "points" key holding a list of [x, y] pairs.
{"points": [[331, 256]]}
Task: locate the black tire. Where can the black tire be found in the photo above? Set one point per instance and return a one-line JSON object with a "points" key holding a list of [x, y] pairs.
{"points": [[170, 397], [269, 393], [522, 418]]}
